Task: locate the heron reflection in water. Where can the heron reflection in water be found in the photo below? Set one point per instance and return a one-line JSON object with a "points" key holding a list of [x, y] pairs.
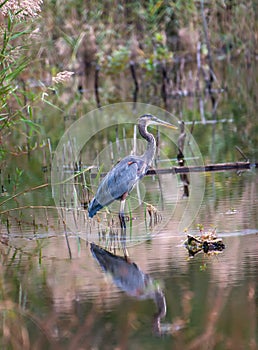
{"points": [[121, 179], [129, 278]]}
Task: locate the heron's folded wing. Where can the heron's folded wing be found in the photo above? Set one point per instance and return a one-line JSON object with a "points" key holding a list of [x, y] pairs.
{"points": [[119, 180]]}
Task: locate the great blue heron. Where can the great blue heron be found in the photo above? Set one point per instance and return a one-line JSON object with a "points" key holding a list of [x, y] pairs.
{"points": [[120, 180]]}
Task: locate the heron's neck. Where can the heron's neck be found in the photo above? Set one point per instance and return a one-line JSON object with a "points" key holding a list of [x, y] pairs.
{"points": [[149, 154]]}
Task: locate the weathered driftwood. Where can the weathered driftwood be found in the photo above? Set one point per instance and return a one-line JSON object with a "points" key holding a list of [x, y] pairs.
{"points": [[238, 166], [205, 168]]}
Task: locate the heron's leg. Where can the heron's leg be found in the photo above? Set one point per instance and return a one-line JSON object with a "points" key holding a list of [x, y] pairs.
{"points": [[123, 243], [122, 213]]}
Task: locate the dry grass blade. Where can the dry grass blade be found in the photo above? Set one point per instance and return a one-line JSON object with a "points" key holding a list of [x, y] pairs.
{"points": [[22, 192], [62, 77]]}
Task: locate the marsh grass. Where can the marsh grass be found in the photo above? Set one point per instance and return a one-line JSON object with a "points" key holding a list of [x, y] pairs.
{"points": [[78, 36], [71, 37]]}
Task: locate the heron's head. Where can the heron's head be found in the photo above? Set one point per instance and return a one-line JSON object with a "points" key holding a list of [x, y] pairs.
{"points": [[149, 119]]}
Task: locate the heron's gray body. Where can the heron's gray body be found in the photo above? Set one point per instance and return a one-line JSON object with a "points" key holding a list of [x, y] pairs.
{"points": [[118, 182]]}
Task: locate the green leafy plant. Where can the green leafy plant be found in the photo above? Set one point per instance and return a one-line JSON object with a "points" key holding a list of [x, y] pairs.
{"points": [[118, 60]]}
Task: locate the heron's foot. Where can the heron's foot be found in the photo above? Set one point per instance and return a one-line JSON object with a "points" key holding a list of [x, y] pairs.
{"points": [[122, 220]]}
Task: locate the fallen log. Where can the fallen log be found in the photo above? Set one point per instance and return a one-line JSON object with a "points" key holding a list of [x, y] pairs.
{"points": [[206, 168], [238, 166]]}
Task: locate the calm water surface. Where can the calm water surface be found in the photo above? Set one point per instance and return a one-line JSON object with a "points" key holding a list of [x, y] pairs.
{"points": [[55, 295]]}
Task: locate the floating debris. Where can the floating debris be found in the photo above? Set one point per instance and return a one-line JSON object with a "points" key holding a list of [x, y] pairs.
{"points": [[206, 242]]}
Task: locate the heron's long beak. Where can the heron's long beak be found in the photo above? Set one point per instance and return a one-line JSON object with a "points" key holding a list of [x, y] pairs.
{"points": [[166, 124]]}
